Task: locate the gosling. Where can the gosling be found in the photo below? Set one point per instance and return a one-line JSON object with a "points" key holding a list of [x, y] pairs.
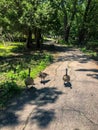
{"points": [[42, 75]]}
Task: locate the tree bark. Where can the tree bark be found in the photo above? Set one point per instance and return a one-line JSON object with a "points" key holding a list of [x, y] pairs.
{"points": [[38, 38], [67, 25], [29, 39], [67, 32], [83, 29], [81, 36]]}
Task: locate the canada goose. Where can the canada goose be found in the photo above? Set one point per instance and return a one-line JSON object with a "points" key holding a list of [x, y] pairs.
{"points": [[66, 77], [42, 75], [29, 80]]}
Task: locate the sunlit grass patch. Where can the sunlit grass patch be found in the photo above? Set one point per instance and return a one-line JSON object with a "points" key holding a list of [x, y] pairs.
{"points": [[14, 69], [7, 49]]}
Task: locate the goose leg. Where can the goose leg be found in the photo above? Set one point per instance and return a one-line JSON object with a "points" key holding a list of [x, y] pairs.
{"points": [[26, 86], [41, 79]]}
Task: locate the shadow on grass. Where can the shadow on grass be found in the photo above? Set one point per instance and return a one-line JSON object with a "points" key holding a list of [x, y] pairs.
{"points": [[8, 90], [23, 61], [49, 46], [40, 97], [24, 57]]}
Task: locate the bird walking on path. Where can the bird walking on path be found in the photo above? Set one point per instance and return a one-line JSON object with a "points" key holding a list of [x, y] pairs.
{"points": [[29, 80], [66, 77], [42, 75]]}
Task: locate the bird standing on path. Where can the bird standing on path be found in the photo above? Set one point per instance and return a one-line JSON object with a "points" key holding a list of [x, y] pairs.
{"points": [[66, 77], [29, 80], [42, 75]]}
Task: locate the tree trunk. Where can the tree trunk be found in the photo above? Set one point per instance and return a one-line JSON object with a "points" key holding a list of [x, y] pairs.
{"points": [[68, 25], [38, 38], [67, 31], [81, 36], [29, 39], [83, 30]]}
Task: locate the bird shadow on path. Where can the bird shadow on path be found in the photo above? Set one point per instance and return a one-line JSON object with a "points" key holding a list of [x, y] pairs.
{"points": [[45, 81], [68, 84]]}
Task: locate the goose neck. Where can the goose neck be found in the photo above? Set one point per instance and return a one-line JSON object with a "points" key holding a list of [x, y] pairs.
{"points": [[66, 72], [29, 72]]}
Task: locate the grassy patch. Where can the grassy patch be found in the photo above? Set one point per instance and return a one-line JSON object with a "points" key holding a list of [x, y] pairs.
{"points": [[8, 89], [14, 68], [89, 52], [8, 49], [61, 41]]}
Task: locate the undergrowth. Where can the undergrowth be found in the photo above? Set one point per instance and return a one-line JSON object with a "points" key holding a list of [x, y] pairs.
{"points": [[14, 70]]}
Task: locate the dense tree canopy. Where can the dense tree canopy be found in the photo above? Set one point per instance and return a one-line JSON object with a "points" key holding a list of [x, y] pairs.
{"points": [[73, 20]]}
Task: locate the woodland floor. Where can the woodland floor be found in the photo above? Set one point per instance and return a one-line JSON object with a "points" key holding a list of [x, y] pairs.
{"points": [[53, 106]]}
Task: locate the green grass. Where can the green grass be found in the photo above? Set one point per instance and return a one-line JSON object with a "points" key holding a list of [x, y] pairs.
{"points": [[9, 90], [8, 49], [89, 52], [14, 63]]}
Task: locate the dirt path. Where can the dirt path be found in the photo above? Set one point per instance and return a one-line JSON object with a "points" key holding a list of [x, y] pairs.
{"points": [[54, 106]]}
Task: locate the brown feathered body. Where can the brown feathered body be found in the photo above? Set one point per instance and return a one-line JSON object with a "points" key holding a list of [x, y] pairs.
{"points": [[29, 80], [42, 75], [66, 77]]}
